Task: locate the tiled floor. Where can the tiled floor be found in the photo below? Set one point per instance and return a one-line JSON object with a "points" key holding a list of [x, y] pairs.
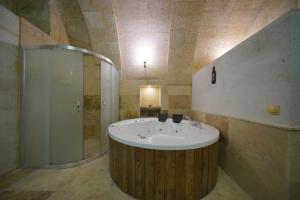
{"points": [[91, 147], [89, 181]]}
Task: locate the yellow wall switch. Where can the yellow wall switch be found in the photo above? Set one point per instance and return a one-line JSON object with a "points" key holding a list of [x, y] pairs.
{"points": [[274, 109]]}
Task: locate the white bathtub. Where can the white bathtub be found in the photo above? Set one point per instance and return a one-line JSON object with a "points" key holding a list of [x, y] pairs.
{"points": [[149, 133]]}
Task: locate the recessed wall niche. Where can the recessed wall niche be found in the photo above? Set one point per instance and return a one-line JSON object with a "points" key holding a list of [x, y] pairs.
{"points": [[150, 100]]}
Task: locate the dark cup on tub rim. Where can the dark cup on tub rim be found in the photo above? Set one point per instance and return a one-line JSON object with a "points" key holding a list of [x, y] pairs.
{"points": [[177, 118], [162, 117]]}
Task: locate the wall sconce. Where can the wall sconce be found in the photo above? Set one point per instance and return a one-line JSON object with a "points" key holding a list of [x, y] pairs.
{"points": [[145, 64]]}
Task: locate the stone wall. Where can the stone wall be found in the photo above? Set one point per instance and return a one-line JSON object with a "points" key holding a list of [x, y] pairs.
{"points": [[62, 20], [9, 91], [102, 30], [57, 27], [92, 104], [262, 159], [258, 73], [31, 35], [260, 151], [75, 26]]}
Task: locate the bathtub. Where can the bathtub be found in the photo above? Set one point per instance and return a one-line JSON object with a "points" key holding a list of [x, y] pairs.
{"points": [[163, 160]]}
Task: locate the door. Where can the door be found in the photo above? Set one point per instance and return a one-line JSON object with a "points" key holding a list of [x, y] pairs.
{"points": [[66, 139]]}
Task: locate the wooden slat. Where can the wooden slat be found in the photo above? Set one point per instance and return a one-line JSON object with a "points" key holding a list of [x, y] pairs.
{"points": [[149, 174], [216, 164], [111, 158], [198, 174], [170, 175], [211, 167], [204, 171], [124, 168], [131, 170], [181, 175], [114, 157], [139, 173], [190, 174], [119, 163], [115, 160], [159, 174]]}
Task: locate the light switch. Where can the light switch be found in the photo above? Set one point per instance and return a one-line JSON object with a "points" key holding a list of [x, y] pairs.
{"points": [[274, 109]]}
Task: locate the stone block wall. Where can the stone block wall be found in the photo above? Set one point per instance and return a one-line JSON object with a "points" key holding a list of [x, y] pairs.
{"points": [[259, 150], [262, 159], [9, 91]]}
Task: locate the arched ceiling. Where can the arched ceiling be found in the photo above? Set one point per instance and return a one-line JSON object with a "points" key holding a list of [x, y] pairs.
{"points": [[100, 21], [144, 34], [174, 37]]}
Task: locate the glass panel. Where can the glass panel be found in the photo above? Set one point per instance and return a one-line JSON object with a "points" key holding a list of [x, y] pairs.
{"points": [[66, 107], [36, 107], [115, 96], [105, 103], [91, 130]]}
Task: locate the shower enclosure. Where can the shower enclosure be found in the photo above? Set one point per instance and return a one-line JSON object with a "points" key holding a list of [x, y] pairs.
{"points": [[69, 97]]}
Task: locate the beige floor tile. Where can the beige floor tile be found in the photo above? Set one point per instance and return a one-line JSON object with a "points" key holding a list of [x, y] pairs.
{"points": [[90, 181]]}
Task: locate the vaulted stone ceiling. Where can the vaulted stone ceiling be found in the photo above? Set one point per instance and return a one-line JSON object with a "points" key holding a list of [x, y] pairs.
{"points": [[174, 36], [100, 20], [225, 24]]}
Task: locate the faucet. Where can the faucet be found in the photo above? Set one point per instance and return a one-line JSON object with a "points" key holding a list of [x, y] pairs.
{"points": [[193, 123]]}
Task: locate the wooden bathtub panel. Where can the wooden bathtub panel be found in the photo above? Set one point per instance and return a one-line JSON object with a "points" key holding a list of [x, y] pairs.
{"points": [[124, 168], [190, 159], [140, 173], [159, 174], [111, 159], [212, 162], [149, 174], [131, 170], [170, 175], [118, 162], [216, 163], [198, 173], [180, 181], [204, 182]]}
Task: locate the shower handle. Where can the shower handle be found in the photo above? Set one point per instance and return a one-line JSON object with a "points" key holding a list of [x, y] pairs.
{"points": [[78, 105]]}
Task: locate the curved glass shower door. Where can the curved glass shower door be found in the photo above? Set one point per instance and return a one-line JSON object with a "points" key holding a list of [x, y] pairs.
{"points": [[69, 97], [66, 107], [52, 107]]}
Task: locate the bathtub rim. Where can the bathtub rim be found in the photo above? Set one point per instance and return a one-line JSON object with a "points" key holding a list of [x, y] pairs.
{"points": [[170, 147]]}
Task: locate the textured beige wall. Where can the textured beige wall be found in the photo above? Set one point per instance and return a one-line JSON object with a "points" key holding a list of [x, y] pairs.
{"points": [[57, 27], [61, 19], [102, 30], [9, 91], [260, 158], [74, 22], [224, 24], [36, 12], [9, 26], [31, 35], [91, 105]]}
